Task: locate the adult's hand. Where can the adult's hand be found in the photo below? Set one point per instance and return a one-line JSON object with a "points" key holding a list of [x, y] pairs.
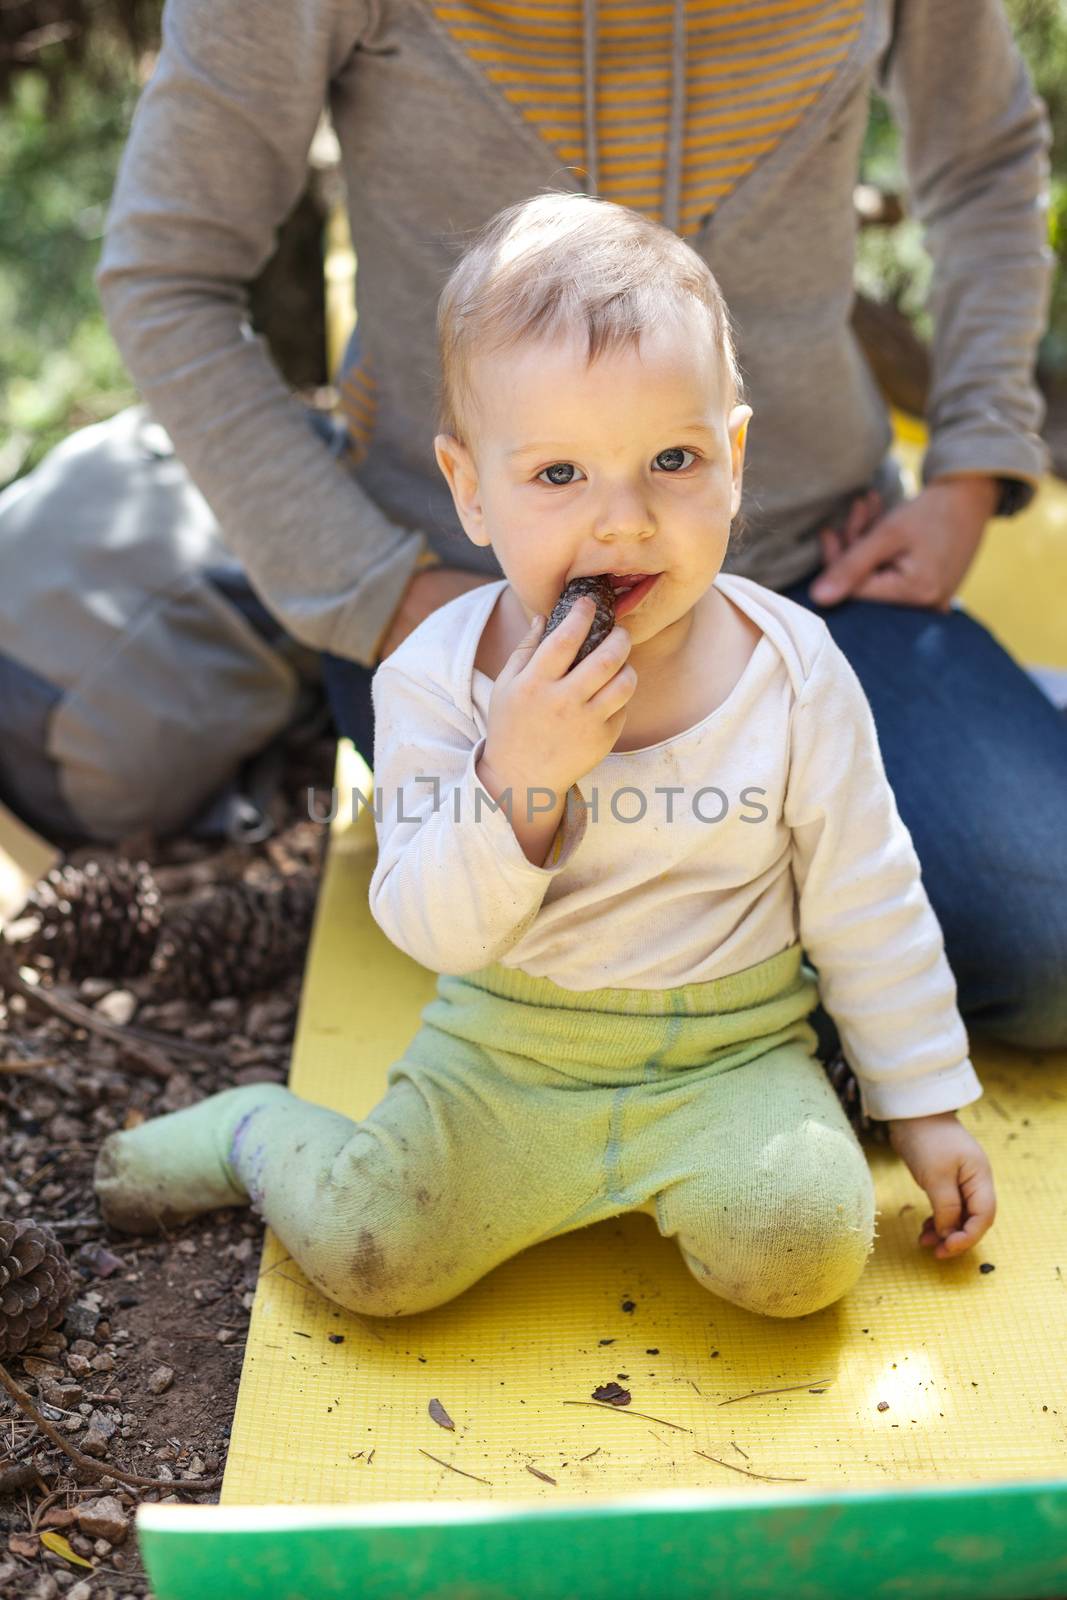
{"points": [[916, 554], [429, 588]]}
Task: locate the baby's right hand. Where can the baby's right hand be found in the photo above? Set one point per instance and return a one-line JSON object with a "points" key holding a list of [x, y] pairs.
{"points": [[549, 726]]}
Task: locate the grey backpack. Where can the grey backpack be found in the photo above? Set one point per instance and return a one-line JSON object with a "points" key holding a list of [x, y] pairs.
{"points": [[139, 673]]}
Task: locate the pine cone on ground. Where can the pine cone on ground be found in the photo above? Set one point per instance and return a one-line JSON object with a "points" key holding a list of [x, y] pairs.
{"points": [[602, 592], [847, 1090], [238, 939], [97, 921], [36, 1284]]}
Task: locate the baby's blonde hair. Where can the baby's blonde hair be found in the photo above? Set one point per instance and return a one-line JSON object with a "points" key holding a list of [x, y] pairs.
{"points": [[557, 263]]}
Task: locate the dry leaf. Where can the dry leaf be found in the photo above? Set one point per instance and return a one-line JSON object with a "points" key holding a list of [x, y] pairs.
{"points": [[439, 1414], [55, 1541]]}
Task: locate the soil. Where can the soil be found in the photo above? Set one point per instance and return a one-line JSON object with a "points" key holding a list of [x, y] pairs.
{"points": [[179, 1301]]}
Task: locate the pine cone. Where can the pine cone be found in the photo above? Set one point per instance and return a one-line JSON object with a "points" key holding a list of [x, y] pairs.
{"points": [[238, 939], [847, 1090], [36, 1284], [602, 592], [97, 921]]}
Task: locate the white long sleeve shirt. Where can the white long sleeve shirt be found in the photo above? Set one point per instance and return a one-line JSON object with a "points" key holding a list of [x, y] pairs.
{"points": [[770, 820]]}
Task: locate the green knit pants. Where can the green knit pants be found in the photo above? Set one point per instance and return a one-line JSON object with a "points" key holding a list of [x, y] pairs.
{"points": [[521, 1111]]}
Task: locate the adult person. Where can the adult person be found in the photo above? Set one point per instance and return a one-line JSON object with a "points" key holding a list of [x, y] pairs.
{"points": [[738, 125]]}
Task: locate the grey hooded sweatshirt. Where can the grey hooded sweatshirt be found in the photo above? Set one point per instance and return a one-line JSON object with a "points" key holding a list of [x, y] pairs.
{"points": [[739, 125]]}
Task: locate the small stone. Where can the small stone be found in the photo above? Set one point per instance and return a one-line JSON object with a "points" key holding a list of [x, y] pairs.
{"points": [[259, 1074], [883, 1405], [101, 1547], [77, 1365], [103, 1362], [188, 1247], [80, 1591], [41, 1369], [57, 1517], [26, 1545], [46, 1588], [93, 989], [80, 1321], [160, 1380], [104, 1519], [63, 1129], [227, 1335], [63, 1394], [119, 1007]]}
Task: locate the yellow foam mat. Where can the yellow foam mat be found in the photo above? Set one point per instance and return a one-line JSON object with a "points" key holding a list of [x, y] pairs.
{"points": [[969, 1365]]}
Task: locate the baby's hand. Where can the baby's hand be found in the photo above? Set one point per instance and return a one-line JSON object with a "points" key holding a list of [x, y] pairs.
{"points": [[954, 1170], [549, 725]]}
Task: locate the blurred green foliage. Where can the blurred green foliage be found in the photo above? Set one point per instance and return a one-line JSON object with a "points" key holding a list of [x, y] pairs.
{"points": [[891, 263], [59, 153], [59, 368]]}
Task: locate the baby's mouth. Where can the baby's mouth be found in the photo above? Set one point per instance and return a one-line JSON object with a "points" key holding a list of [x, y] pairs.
{"points": [[631, 588]]}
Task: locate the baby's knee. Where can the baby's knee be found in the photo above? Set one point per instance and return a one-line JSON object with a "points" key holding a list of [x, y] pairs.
{"points": [[382, 1265], [789, 1249]]}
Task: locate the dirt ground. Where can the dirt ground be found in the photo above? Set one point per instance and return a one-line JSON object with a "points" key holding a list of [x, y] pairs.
{"points": [[143, 1373]]}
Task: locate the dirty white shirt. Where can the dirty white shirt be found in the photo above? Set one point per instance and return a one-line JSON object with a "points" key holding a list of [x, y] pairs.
{"points": [[770, 820]]}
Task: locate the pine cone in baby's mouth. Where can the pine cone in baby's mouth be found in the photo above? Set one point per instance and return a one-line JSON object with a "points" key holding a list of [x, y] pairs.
{"points": [[602, 592]]}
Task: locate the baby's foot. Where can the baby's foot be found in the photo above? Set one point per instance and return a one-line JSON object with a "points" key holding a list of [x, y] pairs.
{"points": [[176, 1166]]}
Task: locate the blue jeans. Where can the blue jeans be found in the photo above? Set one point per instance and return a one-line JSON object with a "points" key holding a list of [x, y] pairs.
{"points": [[976, 756]]}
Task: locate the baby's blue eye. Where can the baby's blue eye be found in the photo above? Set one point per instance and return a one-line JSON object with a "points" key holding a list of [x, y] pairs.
{"points": [[559, 466], [568, 466]]}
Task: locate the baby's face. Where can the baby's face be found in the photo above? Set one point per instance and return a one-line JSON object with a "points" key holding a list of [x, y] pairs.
{"points": [[631, 465]]}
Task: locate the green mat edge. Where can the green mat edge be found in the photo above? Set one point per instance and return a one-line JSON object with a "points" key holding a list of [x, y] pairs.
{"points": [[988, 1542]]}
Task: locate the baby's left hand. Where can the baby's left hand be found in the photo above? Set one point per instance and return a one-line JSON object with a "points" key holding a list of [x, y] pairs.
{"points": [[953, 1169]]}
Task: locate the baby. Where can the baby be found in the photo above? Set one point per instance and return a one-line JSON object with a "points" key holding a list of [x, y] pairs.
{"points": [[635, 860]]}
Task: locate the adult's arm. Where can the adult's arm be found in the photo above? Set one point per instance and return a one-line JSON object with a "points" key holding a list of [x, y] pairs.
{"points": [[976, 142], [216, 159]]}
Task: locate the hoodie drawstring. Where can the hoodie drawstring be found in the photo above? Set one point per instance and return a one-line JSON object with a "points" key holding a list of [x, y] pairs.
{"points": [[673, 178]]}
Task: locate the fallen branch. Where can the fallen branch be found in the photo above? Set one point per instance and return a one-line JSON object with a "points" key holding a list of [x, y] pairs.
{"points": [[90, 1463], [79, 1016]]}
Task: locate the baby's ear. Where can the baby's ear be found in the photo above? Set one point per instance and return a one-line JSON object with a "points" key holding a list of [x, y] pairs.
{"points": [[740, 417], [461, 474], [738, 429]]}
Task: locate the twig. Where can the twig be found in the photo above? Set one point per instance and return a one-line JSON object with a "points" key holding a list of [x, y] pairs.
{"points": [[50, 1499], [765, 1477], [624, 1411], [78, 1016], [209, 1054], [89, 1463], [786, 1390], [28, 1064], [451, 1468]]}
